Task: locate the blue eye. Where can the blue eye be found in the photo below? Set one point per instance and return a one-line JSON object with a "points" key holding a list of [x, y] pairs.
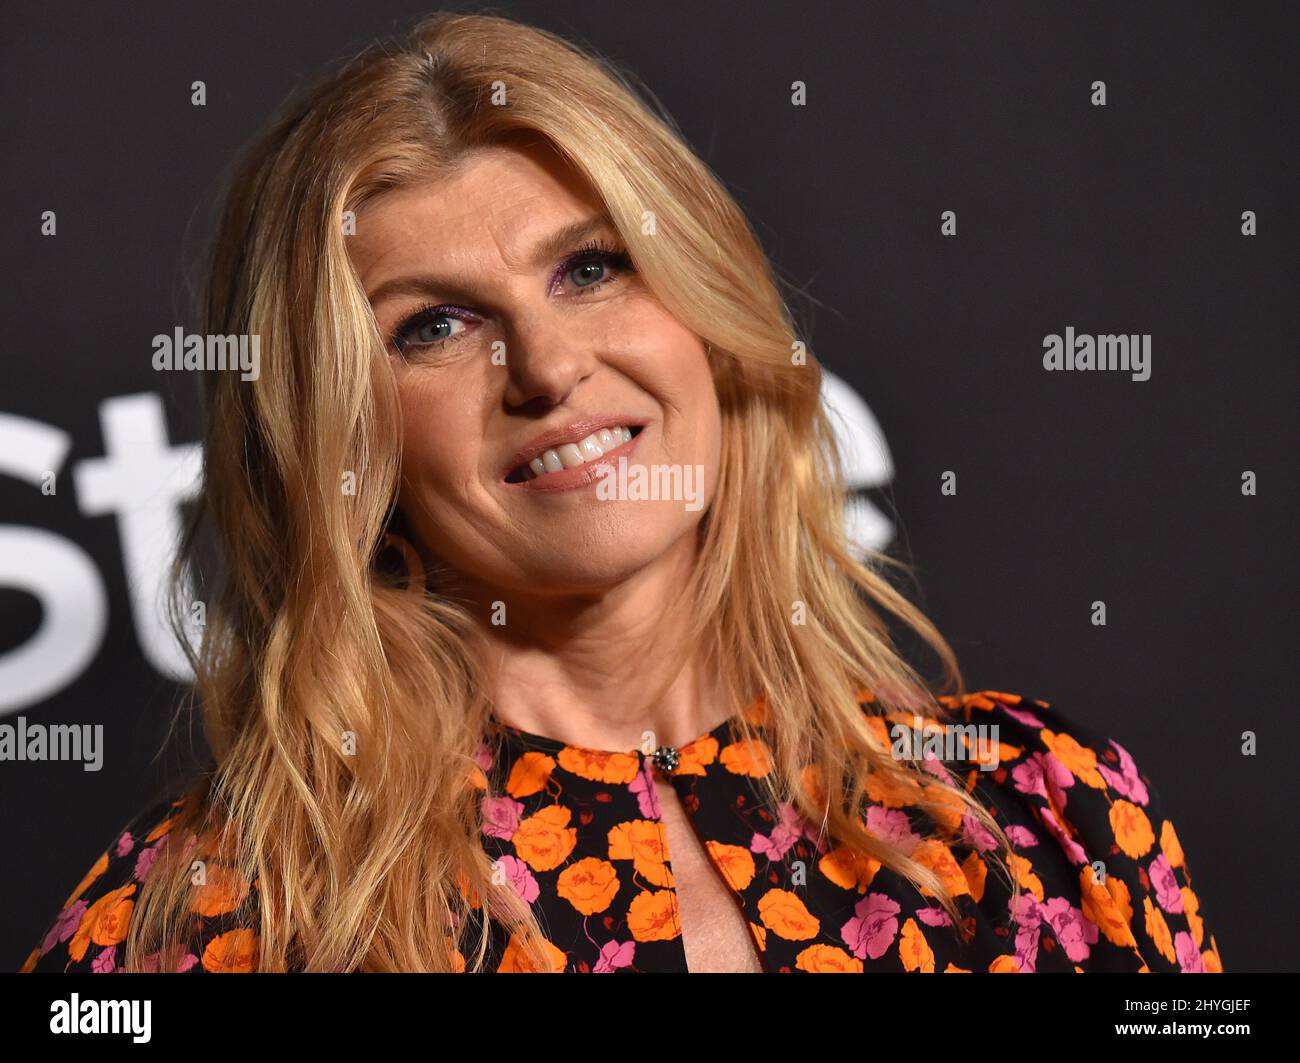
{"points": [[429, 330], [429, 327], [589, 267]]}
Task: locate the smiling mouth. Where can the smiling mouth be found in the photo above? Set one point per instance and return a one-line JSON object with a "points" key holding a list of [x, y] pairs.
{"points": [[573, 455]]}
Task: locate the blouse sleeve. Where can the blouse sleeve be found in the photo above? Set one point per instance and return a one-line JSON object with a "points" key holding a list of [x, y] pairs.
{"points": [[1088, 794], [87, 934]]}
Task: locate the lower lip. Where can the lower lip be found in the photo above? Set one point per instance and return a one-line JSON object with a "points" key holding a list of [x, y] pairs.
{"points": [[581, 475]]}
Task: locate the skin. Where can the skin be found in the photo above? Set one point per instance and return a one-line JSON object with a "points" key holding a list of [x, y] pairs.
{"points": [[590, 651]]}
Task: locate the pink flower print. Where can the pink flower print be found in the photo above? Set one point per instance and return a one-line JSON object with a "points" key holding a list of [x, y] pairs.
{"points": [[1168, 894], [873, 927], [1125, 781], [933, 917], [784, 835], [893, 825], [647, 794], [65, 926], [613, 955], [1190, 959], [105, 962], [145, 861], [1021, 836], [520, 877], [1039, 772], [1073, 849], [1021, 716], [501, 817], [152, 965], [976, 835], [1075, 932], [124, 844], [1029, 928], [936, 767], [483, 757]]}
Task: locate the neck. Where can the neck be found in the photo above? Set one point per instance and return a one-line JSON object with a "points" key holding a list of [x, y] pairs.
{"points": [[600, 668]]}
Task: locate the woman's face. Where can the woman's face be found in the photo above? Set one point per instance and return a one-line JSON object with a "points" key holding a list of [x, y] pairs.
{"points": [[510, 341]]}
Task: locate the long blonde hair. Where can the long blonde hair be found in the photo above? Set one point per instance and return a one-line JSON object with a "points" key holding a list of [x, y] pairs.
{"points": [[343, 711]]}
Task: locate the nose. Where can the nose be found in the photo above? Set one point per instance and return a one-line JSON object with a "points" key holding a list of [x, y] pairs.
{"points": [[545, 360]]}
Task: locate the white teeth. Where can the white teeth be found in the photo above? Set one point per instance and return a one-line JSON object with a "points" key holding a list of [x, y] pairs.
{"points": [[571, 455]]}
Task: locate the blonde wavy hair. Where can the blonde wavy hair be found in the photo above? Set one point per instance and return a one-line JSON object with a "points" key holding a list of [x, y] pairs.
{"points": [[371, 860]]}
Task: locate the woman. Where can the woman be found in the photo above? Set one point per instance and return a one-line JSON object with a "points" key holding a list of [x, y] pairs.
{"points": [[477, 702]]}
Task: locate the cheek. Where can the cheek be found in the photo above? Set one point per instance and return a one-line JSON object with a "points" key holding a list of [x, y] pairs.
{"points": [[439, 440]]}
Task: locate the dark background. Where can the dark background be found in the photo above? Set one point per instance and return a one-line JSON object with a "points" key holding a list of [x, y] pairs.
{"points": [[1073, 487]]}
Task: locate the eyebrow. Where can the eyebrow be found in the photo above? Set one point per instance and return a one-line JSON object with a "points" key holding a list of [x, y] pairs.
{"points": [[546, 250]]}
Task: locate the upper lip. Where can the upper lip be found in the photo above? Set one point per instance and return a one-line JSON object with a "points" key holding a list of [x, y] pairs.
{"points": [[567, 433]]}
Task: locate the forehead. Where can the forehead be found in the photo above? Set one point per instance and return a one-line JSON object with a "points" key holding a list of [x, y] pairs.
{"points": [[494, 205]]}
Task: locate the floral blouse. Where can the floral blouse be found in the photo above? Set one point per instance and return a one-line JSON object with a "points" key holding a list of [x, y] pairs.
{"points": [[578, 833]]}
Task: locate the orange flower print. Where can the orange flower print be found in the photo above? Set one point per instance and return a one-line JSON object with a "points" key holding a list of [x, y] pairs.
{"points": [[1170, 845], [223, 892], [786, 916], [234, 952], [1133, 833], [1107, 905], [827, 959], [1024, 872], [1191, 907], [642, 842], [1158, 930], [850, 868], [529, 774], [653, 916], [695, 757], [756, 711], [544, 840], [892, 791], [947, 809], [976, 872], [1080, 760], [751, 758], [1004, 965], [810, 782], [100, 866], [914, 950], [590, 885], [614, 768], [880, 731], [516, 961], [983, 699], [161, 829], [735, 863], [105, 922], [939, 859]]}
